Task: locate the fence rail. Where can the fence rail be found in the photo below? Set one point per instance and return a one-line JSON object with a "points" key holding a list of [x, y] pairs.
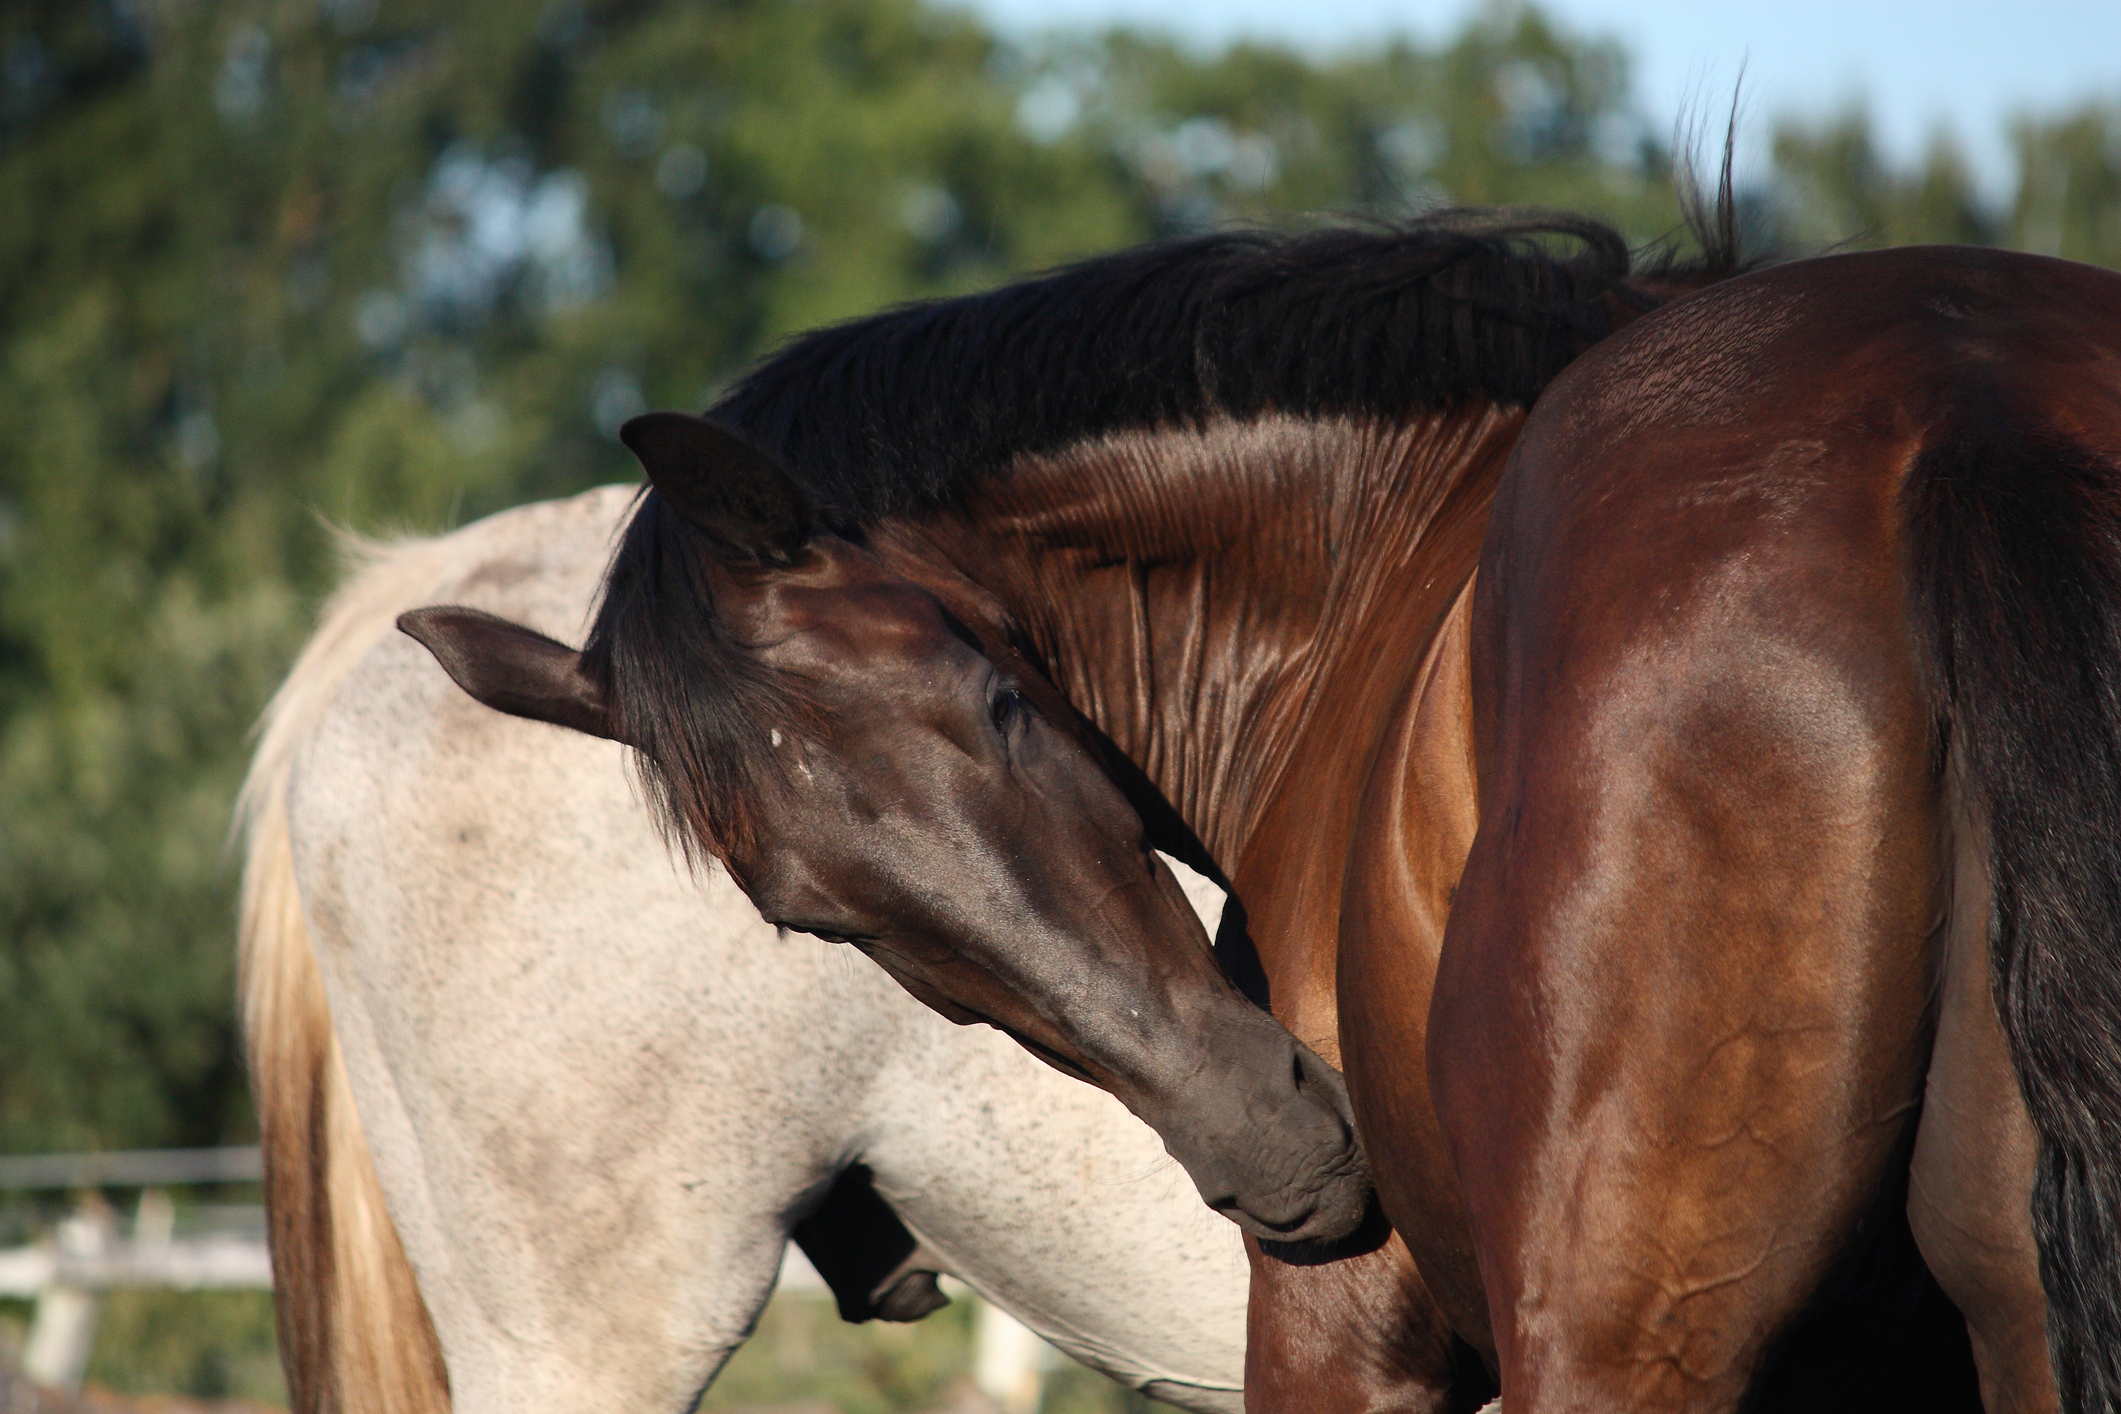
{"points": [[85, 1256], [67, 1273], [132, 1168], [199, 1264]]}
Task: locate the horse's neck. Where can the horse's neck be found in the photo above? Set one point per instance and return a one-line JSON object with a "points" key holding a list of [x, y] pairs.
{"points": [[1244, 611]]}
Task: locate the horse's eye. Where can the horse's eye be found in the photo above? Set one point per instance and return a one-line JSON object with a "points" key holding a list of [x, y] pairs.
{"points": [[1006, 705]]}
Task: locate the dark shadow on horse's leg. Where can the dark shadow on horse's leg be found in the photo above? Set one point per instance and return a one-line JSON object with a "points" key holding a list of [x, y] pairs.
{"points": [[1883, 1338]]}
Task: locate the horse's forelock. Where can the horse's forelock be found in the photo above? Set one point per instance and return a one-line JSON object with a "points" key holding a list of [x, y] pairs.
{"points": [[695, 701]]}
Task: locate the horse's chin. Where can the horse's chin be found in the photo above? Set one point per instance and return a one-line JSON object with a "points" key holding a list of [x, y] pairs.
{"points": [[1370, 1232], [1331, 1217]]}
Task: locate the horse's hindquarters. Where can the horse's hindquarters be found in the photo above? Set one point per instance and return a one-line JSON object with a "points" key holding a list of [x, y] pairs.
{"points": [[1679, 1026], [539, 1011], [565, 1135], [1682, 1011]]}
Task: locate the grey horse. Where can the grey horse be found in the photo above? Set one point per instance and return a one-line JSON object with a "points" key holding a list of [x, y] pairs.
{"points": [[542, 1109]]}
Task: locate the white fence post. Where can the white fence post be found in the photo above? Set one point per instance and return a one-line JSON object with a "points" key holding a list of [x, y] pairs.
{"points": [[68, 1274], [63, 1332], [154, 1221], [1008, 1360]]}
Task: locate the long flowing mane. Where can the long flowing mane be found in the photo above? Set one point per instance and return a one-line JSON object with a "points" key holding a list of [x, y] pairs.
{"points": [[892, 413]]}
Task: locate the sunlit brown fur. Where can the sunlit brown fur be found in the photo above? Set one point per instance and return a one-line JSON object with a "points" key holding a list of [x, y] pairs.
{"points": [[1788, 924]]}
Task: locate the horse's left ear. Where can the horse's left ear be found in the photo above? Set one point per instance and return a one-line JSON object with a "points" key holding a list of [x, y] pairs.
{"points": [[512, 669], [750, 508]]}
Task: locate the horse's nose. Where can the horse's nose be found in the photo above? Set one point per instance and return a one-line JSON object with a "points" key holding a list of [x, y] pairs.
{"points": [[1275, 1148]]}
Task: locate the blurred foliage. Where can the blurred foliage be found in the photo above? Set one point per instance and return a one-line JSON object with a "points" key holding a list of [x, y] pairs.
{"points": [[1833, 187], [397, 263], [209, 1344], [803, 1354]]}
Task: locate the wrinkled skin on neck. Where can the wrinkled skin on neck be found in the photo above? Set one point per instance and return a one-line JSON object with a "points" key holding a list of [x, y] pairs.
{"points": [[1268, 619], [949, 824]]}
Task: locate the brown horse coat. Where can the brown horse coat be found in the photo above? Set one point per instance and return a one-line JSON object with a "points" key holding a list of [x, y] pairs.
{"points": [[1791, 651]]}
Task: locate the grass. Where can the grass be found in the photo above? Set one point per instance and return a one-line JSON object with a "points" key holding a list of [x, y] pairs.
{"points": [[219, 1345], [803, 1356], [206, 1344]]}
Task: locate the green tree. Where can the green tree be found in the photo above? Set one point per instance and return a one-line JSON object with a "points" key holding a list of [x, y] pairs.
{"points": [[400, 262], [1513, 112], [1833, 185], [2069, 198]]}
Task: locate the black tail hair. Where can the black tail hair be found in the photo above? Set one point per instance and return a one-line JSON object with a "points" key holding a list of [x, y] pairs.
{"points": [[2015, 542]]}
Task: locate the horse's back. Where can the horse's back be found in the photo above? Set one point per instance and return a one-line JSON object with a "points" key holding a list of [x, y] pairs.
{"points": [[1872, 347]]}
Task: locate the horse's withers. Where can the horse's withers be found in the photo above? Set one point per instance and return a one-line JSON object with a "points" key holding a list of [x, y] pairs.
{"points": [[881, 776]]}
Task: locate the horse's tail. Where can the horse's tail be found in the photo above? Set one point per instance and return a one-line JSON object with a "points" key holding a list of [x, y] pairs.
{"points": [[2014, 534], [355, 1335]]}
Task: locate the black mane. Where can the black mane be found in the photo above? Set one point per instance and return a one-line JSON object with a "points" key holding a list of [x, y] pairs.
{"points": [[892, 413], [896, 412]]}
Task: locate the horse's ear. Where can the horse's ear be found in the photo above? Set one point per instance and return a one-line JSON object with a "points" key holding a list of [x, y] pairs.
{"points": [[511, 668], [750, 509]]}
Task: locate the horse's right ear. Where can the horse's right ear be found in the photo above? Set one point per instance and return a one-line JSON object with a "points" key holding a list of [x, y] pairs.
{"points": [[512, 669], [749, 508]]}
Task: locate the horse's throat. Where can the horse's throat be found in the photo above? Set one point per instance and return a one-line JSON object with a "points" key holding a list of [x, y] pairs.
{"points": [[1367, 833]]}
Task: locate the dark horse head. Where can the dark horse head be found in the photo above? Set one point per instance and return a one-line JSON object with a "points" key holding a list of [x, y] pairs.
{"points": [[873, 772]]}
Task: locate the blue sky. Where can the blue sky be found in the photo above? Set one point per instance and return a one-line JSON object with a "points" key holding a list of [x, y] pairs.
{"points": [[1964, 64]]}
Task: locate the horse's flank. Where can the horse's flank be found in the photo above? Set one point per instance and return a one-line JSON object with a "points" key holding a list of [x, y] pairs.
{"points": [[1797, 603], [355, 1336]]}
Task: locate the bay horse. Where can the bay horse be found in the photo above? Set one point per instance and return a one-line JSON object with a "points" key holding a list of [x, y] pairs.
{"points": [[601, 1094], [1796, 887], [1227, 495]]}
